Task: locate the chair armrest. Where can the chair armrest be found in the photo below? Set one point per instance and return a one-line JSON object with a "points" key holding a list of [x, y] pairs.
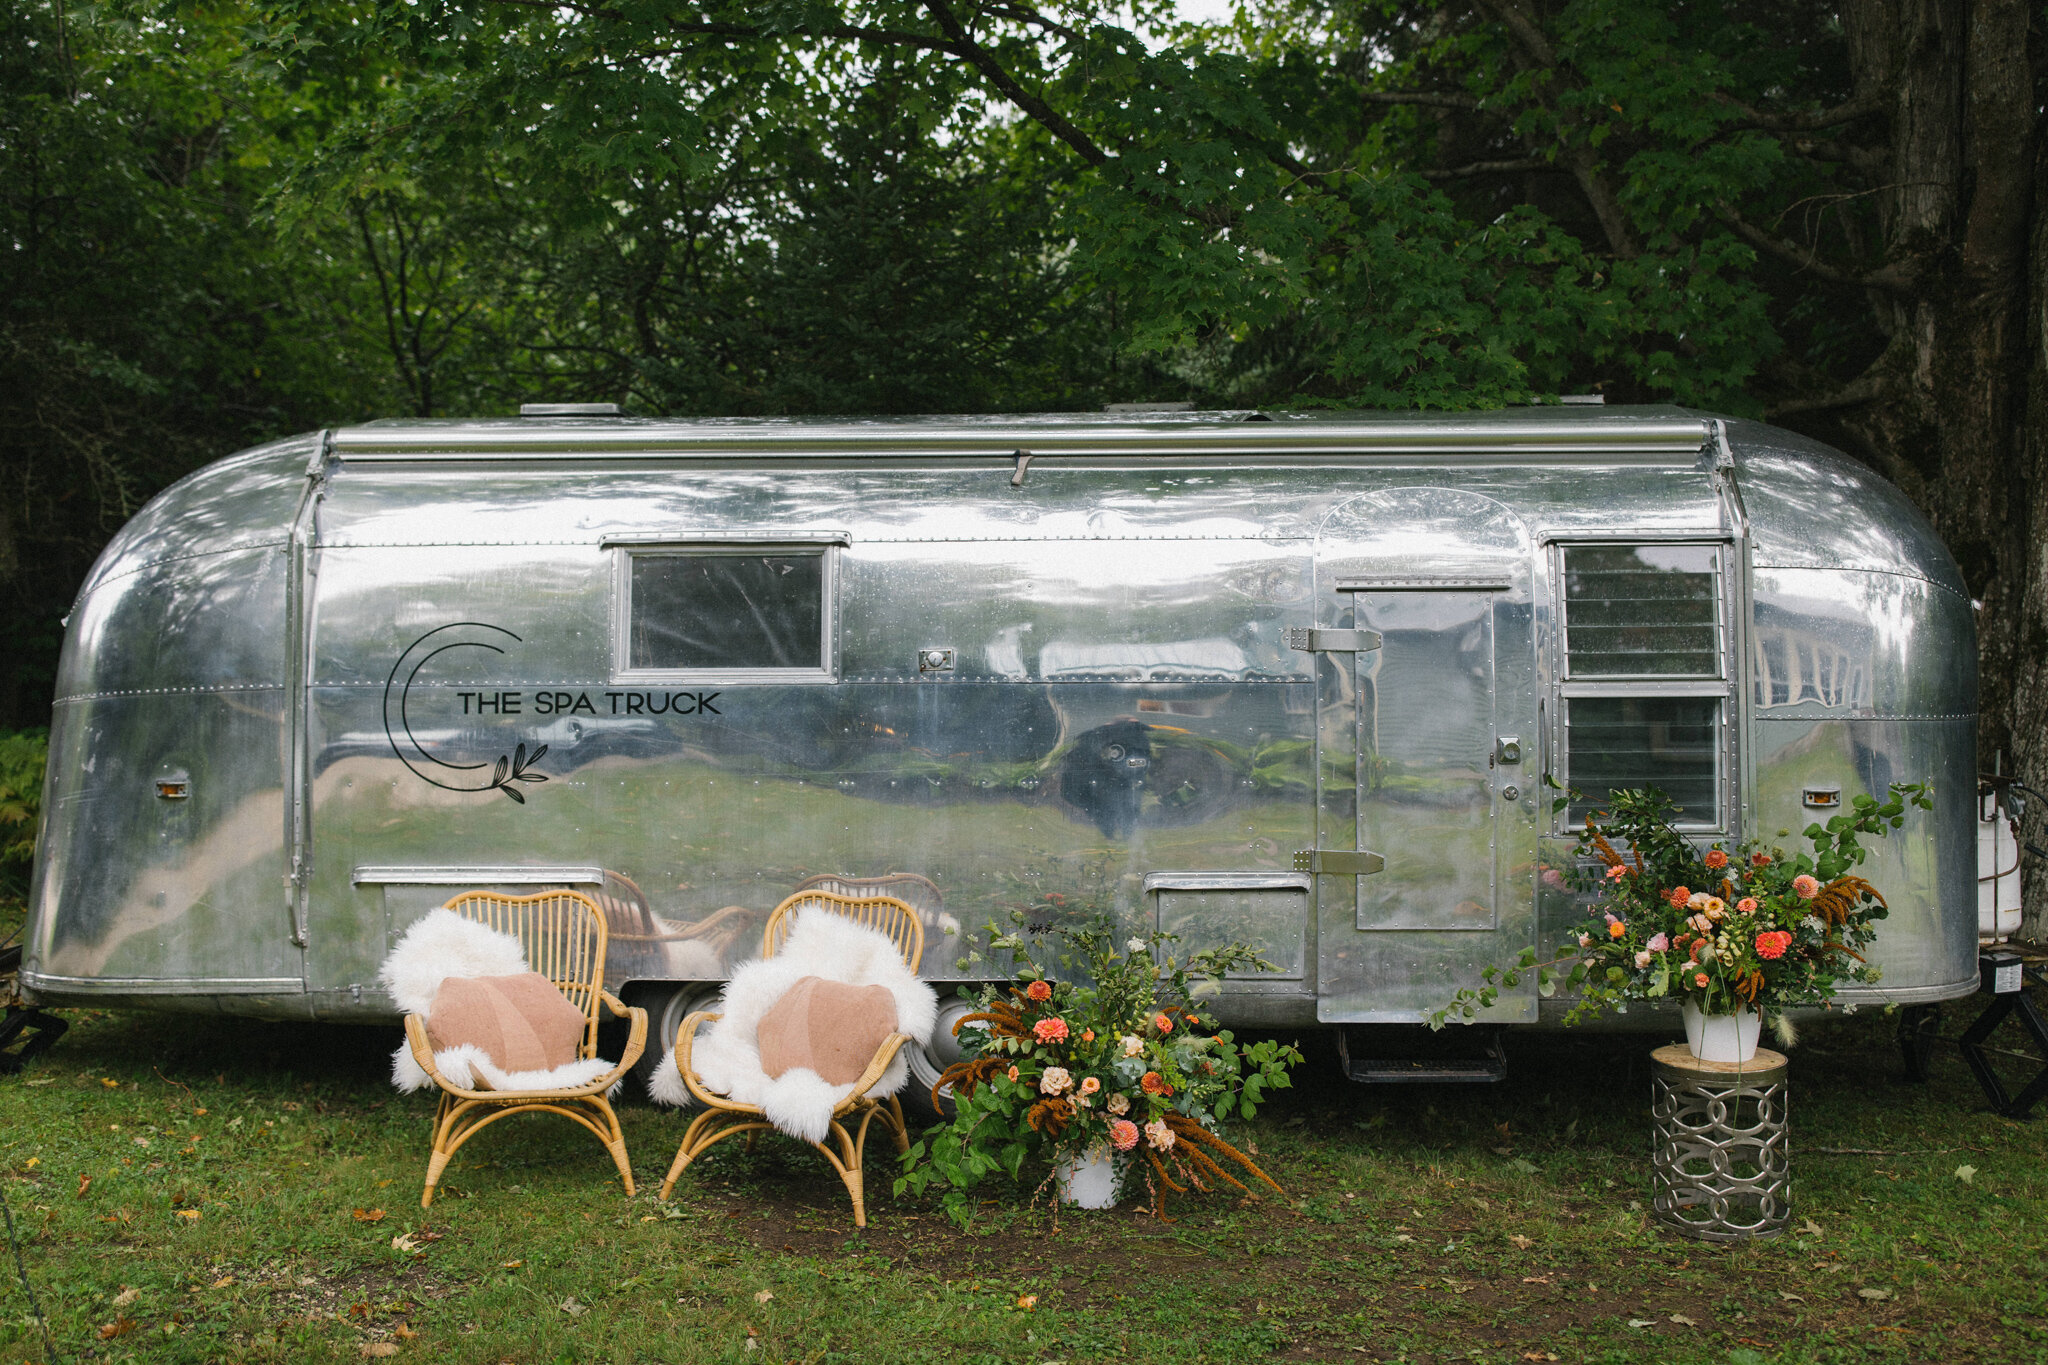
{"points": [[686, 1037], [884, 1055], [636, 1040]]}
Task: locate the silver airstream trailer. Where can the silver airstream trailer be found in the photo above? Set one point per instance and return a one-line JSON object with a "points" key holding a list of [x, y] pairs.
{"points": [[1296, 681]]}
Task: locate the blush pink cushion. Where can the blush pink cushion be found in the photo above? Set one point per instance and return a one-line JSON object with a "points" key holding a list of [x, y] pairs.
{"points": [[521, 1022], [832, 1028]]}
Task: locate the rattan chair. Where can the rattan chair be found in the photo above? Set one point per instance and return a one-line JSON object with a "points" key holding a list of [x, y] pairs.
{"points": [[563, 934], [723, 1118]]}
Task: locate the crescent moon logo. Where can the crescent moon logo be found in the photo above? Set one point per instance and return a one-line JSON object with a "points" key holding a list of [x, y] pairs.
{"points": [[509, 770]]}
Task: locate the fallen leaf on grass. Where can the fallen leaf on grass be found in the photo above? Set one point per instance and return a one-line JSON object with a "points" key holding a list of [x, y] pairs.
{"points": [[1539, 1355], [119, 1327], [1966, 1174], [1809, 1228], [223, 1282], [45, 1080], [110, 1083], [1521, 1243], [404, 1242], [764, 1296], [1789, 1297], [369, 1215], [128, 1295], [1403, 1237], [31, 1163], [1525, 1167], [511, 1265], [1640, 1323], [1535, 1279], [1682, 1320], [404, 1332], [1027, 1301], [573, 1308], [1873, 1294], [192, 1214], [380, 1348], [84, 1184]]}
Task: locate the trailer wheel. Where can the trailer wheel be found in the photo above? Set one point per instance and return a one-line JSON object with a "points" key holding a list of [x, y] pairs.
{"points": [[929, 1060]]}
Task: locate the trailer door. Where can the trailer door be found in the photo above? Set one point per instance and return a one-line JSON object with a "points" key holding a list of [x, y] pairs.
{"points": [[1437, 729]]}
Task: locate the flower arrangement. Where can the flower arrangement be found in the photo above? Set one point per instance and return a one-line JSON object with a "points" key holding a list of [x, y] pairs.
{"points": [[1751, 927], [1118, 1061]]}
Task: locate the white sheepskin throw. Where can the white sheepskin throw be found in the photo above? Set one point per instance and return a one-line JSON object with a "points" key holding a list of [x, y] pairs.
{"points": [[800, 1101], [441, 944]]}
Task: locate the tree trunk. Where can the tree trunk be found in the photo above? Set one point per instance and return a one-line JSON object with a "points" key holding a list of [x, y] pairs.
{"points": [[1957, 419]]}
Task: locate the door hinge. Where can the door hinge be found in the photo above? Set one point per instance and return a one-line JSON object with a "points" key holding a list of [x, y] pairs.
{"points": [[1332, 862], [1331, 639]]}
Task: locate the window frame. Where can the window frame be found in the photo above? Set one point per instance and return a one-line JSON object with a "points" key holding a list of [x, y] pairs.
{"points": [[624, 550], [1720, 686]]}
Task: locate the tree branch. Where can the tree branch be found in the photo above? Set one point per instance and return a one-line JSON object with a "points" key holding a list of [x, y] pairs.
{"points": [[1898, 275], [1526, 163], [982, 60], [1863, 389], [1433, 98], [1862, 106]]}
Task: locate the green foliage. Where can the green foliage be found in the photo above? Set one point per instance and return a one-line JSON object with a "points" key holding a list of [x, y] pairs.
{"points": [[1109, 1055], [1726, 929], [23, 756]]}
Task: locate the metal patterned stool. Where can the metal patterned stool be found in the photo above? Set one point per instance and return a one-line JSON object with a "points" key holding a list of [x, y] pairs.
{"points": [[1722, 1167]]}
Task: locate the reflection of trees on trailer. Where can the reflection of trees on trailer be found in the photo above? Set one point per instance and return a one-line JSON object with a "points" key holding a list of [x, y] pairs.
{"points": [[1300, 681]]}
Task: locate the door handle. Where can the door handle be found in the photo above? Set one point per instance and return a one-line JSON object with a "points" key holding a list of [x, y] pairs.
{"points": [[1331, 639]]}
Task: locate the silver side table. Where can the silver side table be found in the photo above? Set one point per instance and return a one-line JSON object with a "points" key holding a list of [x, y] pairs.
{"points": [[1721, 1169]]}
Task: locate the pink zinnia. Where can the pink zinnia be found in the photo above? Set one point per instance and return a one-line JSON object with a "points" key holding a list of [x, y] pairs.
{"points": [[1050, 1030], [1747, 905], [1162, 1023], [1773, 944], [1805, 886], [1123, 1134], [1658, 943], [1679, 897], [1617, 872]]}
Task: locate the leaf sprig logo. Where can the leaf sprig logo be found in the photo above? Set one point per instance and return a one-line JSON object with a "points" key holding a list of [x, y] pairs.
{"points": [[508, 771]]}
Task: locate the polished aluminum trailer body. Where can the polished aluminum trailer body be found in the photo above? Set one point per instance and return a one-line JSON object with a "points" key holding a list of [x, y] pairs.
{"points": [[1295, 681]]}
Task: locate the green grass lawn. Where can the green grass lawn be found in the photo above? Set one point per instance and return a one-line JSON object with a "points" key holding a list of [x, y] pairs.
{"points": [[194, 1189]]}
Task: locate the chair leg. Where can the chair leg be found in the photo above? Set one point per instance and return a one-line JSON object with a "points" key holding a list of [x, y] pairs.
{"points": [[687, 1151], [902, 1128], [615, 1143], [436, 1163]]}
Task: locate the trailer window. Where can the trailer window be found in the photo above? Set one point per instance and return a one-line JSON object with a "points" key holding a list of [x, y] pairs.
{"points": [[719, 612], [1642, 611], [1645, 668], [1631, 742]]}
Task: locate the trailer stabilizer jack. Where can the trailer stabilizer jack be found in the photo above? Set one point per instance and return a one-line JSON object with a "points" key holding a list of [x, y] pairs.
{"points": [[38, 1032], [1380, 1054]]}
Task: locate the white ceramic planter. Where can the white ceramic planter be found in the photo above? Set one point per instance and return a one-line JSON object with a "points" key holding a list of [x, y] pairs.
{"points": [[1088, 1183], [1721, 1037]]}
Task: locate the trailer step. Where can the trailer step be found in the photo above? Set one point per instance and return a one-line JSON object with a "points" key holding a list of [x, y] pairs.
{"points": [[1409, 1054]]}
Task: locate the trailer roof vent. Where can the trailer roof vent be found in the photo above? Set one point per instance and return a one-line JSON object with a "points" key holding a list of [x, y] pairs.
{"points": [[1134, 409], [1583, 400], [569, 410]]}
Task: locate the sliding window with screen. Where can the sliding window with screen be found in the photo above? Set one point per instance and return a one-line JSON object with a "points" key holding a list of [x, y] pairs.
{"points": [[729, 612], [1645, 692]]}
